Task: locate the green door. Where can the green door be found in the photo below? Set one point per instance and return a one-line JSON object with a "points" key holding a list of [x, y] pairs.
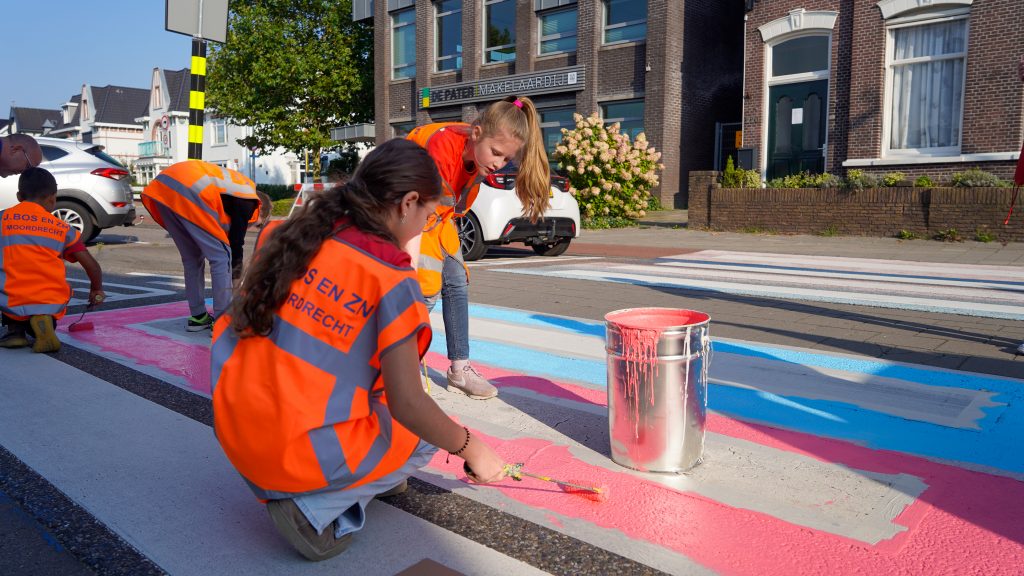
{"points": [[796, 128]]}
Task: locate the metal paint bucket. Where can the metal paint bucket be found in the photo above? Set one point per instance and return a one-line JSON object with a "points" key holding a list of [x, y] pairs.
{"points": [[657, 387]]}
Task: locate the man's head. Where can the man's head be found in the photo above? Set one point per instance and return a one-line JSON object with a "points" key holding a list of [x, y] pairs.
{"points": [[19, 153], [39, 186]]}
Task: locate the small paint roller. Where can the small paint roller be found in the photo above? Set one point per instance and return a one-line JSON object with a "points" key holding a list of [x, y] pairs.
{"points": [[516, 472], [78, 325]]}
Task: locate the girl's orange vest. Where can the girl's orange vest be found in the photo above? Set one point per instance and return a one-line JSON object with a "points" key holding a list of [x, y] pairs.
{"points": [[303, 409], [445, 142], [32, 276], [192, 189]]}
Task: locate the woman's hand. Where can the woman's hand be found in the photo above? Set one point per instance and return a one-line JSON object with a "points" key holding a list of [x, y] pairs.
{"points": [[483, 465]]}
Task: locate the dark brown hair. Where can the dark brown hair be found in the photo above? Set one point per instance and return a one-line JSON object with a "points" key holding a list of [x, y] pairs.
{"points": [[36, 184], [380, 181]]}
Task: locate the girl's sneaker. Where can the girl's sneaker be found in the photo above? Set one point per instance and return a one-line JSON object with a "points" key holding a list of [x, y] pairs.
{"points": [[200, 323]]}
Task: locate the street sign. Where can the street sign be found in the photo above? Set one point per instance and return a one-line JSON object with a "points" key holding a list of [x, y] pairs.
{"points": [[206, 19]]}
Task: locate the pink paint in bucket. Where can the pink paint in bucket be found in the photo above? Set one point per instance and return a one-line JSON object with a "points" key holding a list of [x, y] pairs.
{"points": [[657, 387]]}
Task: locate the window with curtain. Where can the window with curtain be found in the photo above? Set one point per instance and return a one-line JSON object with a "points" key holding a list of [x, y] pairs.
{"points": [[927, 82], [624, 21], [557, 31], [628, 113], [500, 31], [448, 35], [403, 43]]}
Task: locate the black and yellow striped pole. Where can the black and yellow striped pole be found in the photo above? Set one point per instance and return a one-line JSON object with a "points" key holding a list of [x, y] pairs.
{"points": [[196, 99]]}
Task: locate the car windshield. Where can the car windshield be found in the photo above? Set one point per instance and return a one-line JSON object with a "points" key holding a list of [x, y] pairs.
{"points": [[99, 153]]}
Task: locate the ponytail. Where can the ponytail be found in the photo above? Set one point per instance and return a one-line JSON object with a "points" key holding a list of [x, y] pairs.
{"points": [[519, 117], [380, 181]]}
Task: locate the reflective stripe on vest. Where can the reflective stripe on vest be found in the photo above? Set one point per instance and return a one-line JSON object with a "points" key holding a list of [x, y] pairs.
{"points": [[303, 409], [32, 274]]}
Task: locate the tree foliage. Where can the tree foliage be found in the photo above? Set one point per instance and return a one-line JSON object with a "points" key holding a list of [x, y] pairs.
{"points": [[291, 70]]}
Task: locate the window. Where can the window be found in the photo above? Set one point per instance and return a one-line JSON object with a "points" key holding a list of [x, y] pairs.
{"points": [[403, 43], [552, 120], [624, 21], [926, 75], [156, 96], [500, 31], [51, 153], [448, 35], [402, 129], [557, 31], [801, 55], [220, 131], [628, 113]]}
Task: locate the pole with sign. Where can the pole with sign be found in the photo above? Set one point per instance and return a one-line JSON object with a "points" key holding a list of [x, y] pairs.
{"points": [[202, 20]]}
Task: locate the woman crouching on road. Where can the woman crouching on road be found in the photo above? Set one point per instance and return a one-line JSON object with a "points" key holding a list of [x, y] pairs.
{"points": [[317, 398]]}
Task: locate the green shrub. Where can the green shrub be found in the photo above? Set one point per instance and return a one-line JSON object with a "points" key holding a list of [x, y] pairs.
{"points": [[984, 235], [832, 230], [907, 235], [893, 179], [610, 175], [738, 177], [948, 235], [604, 222], [277, 191], [858, 180], [923, 182], [806, 180], [282, 207], [975, 178]]}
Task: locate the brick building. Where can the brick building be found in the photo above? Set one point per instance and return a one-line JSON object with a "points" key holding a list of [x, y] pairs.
{"points": [[923, 87], [669, 68]]}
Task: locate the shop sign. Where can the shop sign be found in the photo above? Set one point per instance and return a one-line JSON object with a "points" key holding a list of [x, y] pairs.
{"points": [[568, 79]]}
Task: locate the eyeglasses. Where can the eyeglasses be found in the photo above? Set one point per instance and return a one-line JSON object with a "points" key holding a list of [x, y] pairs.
{"points": [[28, 161]]}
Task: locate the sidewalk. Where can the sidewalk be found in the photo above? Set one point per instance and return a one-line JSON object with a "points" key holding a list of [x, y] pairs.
{"points": [[667, 229]]}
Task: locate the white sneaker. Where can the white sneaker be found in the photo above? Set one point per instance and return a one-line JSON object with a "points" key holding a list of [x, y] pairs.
{"points": [[471, 383]]}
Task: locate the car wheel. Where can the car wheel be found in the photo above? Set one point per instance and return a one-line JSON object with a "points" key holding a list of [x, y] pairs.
{"points": [[556, 248], [471, 238], [78, 217]]}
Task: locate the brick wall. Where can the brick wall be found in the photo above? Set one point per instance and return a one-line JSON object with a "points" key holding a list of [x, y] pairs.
{"points": [[882, 212], [993, 118]]}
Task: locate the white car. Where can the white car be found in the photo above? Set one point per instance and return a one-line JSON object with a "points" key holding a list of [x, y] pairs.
{"points": [[496, 218]]}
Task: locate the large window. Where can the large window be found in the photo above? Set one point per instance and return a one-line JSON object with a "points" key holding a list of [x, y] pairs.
{"points": [[926, 75], [403, 43], [557, 31], [624, 21], [448, 35], [220, 131], [499, 31], [628, 113], [402, 129], [552, 120]]}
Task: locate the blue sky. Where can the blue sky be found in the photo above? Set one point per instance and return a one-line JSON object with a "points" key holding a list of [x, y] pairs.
{"points": [[58, 45]]}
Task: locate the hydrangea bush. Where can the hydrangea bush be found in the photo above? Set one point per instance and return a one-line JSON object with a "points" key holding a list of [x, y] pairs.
{"points": [[610, 176]]}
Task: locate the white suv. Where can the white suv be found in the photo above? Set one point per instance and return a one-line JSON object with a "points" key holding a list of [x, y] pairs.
{"points": [[93, 190], [496, 218]]}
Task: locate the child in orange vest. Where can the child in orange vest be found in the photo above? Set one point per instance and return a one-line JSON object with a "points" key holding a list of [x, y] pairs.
{"points": [[316, 392], [34, 243], [466, 154]]}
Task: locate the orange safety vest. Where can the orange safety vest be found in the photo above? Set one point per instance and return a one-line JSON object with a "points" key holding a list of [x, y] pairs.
{"points": [[303, 409], [192, 190], [441, 234], [32, 275]]}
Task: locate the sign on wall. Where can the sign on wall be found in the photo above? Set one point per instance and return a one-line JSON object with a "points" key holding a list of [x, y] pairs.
{"points": [[568, 79]]}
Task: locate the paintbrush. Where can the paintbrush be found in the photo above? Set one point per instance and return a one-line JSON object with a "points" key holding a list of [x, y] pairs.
{"points": [[516, 472]]}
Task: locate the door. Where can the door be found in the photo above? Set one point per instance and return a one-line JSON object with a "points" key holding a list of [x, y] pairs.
{"points": [[796, 128]]}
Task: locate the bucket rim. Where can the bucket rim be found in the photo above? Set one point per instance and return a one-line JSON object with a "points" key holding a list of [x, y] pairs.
{"points": [[609, 318]]}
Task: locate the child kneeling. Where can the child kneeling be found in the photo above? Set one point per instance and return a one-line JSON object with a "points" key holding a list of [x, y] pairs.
{"points": [[34, 290]]}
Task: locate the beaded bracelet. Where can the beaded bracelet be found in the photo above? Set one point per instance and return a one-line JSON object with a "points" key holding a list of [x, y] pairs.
{"points": [[464, 444]]}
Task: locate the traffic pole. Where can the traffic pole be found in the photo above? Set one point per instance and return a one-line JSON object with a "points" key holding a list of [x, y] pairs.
{"points": [[196, 99]]}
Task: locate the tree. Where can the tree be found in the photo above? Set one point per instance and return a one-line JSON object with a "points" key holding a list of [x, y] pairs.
{"points": [[291, 70]]}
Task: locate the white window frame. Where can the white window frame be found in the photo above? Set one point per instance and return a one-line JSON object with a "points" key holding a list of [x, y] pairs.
{"points": [[540, 30], [606, 121], [394, 27], [605, 28], [437, 48], [486, 48], [890, 38], [218, 124]]}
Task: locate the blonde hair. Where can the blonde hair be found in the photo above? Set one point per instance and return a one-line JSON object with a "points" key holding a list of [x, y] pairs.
{"points": [[518, 116]]}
